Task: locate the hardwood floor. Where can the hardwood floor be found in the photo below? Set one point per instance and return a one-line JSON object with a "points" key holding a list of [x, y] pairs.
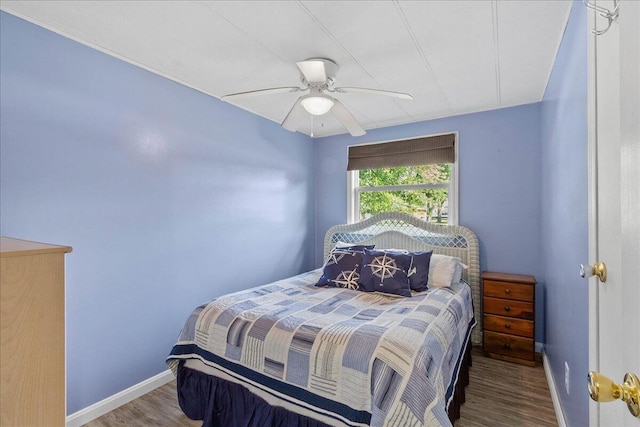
{"points": [[499, 394], [506, 394], [156, 408]]}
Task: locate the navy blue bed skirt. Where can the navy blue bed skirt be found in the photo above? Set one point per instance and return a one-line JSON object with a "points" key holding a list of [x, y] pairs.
{"points": [[220, 403]]}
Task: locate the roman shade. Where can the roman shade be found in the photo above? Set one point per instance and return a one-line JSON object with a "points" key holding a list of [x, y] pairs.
{"points": [[407, 152]]}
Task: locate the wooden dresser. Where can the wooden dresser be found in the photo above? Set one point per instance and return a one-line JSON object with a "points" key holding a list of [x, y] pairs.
{"points": [[509, 317], [32, 356]]}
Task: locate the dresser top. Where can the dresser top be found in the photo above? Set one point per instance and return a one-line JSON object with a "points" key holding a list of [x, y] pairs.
{"points": [[16, 247], [507, 277]]}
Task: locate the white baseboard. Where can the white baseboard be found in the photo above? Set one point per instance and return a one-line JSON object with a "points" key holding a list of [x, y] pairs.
{"points": [[98, 409], [554, 391]]}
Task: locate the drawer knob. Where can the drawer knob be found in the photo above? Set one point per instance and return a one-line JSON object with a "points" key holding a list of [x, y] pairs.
{"points": [[507, 345], [507, 291], [507, 325], [507, 308]]}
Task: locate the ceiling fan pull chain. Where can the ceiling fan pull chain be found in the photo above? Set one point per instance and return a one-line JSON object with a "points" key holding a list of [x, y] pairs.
{"points": [[311, 134]]}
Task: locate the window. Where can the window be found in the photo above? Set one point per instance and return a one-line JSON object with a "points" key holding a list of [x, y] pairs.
{"points": [[427, 190]]}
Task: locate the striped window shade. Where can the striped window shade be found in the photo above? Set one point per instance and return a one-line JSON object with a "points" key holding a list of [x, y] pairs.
{"points": [[407, 152]]}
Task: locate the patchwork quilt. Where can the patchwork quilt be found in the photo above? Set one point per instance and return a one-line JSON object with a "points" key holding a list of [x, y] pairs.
{"points": [[355, 358]]}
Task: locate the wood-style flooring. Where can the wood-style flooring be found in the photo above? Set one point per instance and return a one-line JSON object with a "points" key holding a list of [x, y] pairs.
{"points": [[506, 394], [499, 394]]}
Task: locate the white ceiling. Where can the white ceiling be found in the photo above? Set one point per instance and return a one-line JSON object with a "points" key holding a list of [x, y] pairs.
{"points": [[454, 57]]}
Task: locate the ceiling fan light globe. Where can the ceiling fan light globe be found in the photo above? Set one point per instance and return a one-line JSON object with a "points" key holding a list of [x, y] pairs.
{"points": [[317, 105]]}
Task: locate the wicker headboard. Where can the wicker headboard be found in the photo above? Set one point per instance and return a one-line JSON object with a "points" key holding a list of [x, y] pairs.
{"points": [[401, 231]]}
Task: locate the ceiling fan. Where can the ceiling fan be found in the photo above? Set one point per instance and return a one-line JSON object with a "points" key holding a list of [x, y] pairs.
{"points": [[319, 75]]}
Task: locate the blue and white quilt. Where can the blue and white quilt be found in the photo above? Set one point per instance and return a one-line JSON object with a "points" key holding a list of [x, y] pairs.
{"points": [[346, 357]]}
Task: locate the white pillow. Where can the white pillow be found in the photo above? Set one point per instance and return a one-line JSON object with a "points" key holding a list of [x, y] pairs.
{"points": [[442, 271], [457, 275]]}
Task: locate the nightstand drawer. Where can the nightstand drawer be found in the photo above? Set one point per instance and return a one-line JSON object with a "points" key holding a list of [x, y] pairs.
{"points": [[508, 325], [516, 291], [504, 307], [509, 345]]}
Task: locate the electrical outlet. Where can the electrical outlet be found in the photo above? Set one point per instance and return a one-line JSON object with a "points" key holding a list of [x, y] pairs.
{"points": [[566, 376]]}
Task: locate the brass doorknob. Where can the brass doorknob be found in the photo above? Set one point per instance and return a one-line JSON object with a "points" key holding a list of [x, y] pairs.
{"points": [[599, 270], [603, 389]]}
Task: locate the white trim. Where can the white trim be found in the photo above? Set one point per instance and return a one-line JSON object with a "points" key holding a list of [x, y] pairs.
{"points": [[98, 409], [405, 187], [592, 203], [553, 390], [453, 217], [353, 197]]}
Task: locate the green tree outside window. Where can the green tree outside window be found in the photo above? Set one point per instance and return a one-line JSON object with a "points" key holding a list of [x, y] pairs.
{"points": [[428, 204]]}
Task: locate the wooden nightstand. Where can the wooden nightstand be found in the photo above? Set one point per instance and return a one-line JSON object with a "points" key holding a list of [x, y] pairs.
{"points": [[509, 317]]}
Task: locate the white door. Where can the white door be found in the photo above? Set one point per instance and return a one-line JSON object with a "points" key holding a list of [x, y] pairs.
{"points": [[614, 236]]}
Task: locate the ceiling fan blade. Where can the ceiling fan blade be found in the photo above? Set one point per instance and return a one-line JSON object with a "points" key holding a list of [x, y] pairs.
{"points": [[373, 92], [293, 118], [313, 70], [346, 118], [261, 92]]}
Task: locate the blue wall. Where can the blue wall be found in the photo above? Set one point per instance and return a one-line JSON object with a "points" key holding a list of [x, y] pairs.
{"points": [[499, 157], [162, 192], [565, 224], [159, 188]]}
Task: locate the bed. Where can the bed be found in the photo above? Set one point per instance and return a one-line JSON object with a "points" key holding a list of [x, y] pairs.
{"points": [[291, 353]]}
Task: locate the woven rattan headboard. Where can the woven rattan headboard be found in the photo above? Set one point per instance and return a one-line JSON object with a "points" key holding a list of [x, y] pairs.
{"points": [[401, 231]]}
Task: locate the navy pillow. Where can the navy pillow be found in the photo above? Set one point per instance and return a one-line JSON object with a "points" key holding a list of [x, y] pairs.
{"points": [[354, 247], [385, 271], [419, 270], [342, 269]]}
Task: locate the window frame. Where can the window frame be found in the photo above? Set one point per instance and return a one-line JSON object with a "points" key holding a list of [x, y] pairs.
{"points": [[354, 190]]}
